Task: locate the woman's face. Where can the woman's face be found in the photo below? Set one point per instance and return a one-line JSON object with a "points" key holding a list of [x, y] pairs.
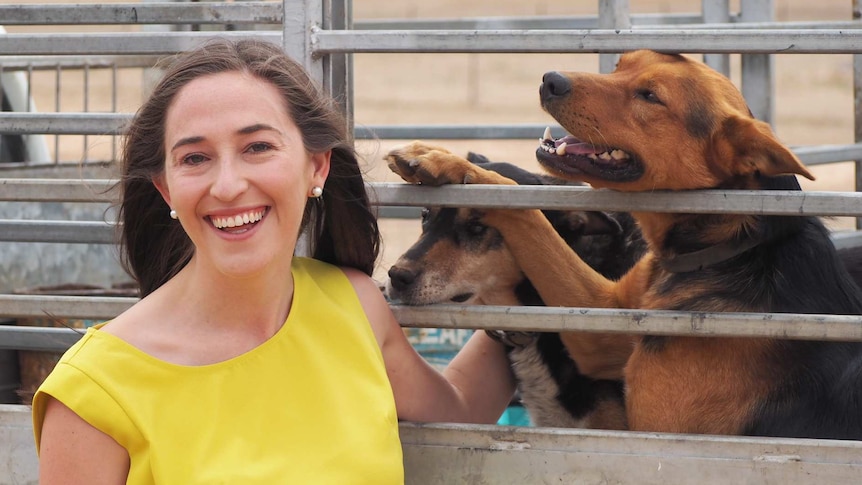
{"points": [[237, 173]]}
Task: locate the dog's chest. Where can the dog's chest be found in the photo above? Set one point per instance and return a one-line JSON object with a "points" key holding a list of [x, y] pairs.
{"points": [[696, 385]]}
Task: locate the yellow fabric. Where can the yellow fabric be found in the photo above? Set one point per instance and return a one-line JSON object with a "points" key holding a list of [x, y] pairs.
{"points": [[312, 405]]}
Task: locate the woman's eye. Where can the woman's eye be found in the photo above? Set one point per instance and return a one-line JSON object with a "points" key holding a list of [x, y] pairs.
{"points": [[194, 159], [259, 147]]}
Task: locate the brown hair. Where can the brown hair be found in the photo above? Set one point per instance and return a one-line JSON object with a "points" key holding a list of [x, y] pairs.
{"points": [[341, 226]]}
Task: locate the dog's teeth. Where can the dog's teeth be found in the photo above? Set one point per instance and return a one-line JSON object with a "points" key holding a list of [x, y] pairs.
{"points": [[592, 156], [618, 155], [561, 150], [605, 156], [547, 135]]}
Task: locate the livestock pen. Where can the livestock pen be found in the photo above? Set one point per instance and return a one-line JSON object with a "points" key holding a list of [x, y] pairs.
{"points": [[324, 36]]}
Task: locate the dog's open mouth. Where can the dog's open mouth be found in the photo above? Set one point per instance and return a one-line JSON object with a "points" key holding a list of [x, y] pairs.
{"points": [[573, 158]]}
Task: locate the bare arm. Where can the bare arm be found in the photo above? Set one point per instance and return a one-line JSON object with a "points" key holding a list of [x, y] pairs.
{"points": [[73, 452], [476, 387]]}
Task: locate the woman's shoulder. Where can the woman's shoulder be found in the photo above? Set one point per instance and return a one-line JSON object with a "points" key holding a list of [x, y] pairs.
{"points": [[149, 326], [326, 273]]}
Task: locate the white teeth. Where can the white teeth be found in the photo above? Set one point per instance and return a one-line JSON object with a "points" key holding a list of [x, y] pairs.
{"points": [[592, 156], [618, 155], [547, 135], [238, 220], [561, 150], [605, 156]]}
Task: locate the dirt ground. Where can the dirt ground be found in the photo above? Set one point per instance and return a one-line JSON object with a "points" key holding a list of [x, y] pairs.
{"points": [[813, 93]]}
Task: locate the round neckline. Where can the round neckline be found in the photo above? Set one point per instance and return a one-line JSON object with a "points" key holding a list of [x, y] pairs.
{"points": [[95, 332]]}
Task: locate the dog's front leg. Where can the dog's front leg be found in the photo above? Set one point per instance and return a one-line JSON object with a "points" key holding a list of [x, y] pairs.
{"points": [[562, 278], [559, 275]]}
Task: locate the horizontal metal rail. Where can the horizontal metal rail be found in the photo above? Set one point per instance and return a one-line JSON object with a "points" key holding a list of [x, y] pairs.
{"points": [[41, 63], [443, 454], [777, 202], [81, 232], [116, 43], [57, 190], [760, 41], [542, 319], [522, 23], [514, 131], [115, 123], [93, 232], [37, 338], [142, 13], [167, 13], [771, 202], [16, 123]]}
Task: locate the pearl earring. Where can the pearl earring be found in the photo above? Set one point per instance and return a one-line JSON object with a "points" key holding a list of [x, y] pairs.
{"points": [[316, 191], [173, 214]]}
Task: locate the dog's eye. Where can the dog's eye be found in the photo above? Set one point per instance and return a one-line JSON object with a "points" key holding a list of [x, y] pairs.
{"points": [[648, 96], [475, 228]]}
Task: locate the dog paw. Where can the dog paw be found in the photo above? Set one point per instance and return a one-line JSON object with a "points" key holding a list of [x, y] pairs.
{"points": [[422, 163]]}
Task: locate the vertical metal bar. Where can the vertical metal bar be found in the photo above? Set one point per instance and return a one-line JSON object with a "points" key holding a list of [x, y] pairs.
{"points": [[2, 97], [85, 155], [30, 101], [758, 70], [302, 18], [714, 12], [340, 66], [857, 105], [613, 14], [57, 80], [114, 108]]}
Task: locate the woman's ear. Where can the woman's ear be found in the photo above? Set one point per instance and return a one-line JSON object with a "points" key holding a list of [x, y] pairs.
{"points": [[162, 187], [320, 163]]}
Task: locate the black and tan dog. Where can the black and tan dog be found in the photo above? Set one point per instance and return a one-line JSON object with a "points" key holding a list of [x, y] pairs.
{"points": [[458, 259], [667, 122]]}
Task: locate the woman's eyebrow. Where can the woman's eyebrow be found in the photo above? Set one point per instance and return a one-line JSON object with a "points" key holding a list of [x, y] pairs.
{"points": [[257, 127], [242, 131], [187, 141]]}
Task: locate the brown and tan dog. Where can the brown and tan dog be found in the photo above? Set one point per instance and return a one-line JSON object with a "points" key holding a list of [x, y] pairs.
{"points": [[458, 259], [667, 122]]}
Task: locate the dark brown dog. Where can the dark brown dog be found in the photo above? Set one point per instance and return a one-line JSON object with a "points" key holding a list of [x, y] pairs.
{"points": [[458, 259], [661, 122]]}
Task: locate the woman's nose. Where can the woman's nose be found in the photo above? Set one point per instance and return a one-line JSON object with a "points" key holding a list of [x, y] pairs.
{"points": [[229, 181]]}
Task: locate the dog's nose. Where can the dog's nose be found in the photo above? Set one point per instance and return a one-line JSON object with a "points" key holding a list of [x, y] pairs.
{"points": [[554, 85], [401, 278]]}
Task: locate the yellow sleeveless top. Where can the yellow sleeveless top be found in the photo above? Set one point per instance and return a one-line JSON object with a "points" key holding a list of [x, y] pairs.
{"points": [[311, 405]]}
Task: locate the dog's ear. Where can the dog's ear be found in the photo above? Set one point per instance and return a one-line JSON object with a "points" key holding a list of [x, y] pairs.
{"points": [[477, 158], [747, 145], [586, 223]]}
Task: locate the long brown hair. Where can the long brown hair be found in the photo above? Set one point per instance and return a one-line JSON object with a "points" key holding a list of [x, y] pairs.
{"points": [[341, 225]]}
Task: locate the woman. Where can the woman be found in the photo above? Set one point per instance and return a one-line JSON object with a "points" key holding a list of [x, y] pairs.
{"points": [[243, 363]]}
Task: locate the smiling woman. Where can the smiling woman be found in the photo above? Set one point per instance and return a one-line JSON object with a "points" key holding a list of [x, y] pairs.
{"points": [[243, 363]]}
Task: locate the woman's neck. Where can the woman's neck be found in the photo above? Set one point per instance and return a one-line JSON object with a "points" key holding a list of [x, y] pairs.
{"points": [[256, 303]]}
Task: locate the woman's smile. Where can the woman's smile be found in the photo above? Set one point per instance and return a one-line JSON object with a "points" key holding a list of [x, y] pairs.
{"points": [[240, 222]]}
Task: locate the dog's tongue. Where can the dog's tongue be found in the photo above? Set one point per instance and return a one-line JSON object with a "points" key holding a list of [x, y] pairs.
{"points": [[577, 147]]}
